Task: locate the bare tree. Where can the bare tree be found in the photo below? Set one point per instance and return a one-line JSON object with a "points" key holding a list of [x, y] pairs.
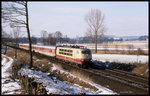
{"points": [[51, 39], [44, 35], [95, 21], [16, 34], [13, 12], [58, 35]]}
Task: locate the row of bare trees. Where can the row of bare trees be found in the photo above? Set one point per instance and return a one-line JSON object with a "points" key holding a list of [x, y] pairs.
{"points": [[50, 38], [53, 38]]}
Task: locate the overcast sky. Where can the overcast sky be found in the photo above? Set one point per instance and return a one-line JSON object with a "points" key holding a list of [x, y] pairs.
{"points": [[121, 18]]}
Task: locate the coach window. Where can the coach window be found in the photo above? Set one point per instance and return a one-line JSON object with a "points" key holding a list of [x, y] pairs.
{"points": [[70, 54]]}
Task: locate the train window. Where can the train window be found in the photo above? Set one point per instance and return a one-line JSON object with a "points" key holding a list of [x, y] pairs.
{"points": [[86, 52], [70, 54]]}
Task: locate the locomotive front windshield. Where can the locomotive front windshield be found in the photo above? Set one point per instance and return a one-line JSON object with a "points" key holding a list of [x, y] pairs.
{"points": [[86, 52]]}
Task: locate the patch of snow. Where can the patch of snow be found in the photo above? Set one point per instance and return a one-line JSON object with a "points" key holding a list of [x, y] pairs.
{"points": [[53, 68], [37, 60], [42, 65], [49, 62], [54, 85], [147, 70], [120, 58], [3, 61], [11, 86], [6, 65]]}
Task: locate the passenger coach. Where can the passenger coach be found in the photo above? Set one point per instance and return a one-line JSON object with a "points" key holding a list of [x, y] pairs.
{"points": [[46, 50]]}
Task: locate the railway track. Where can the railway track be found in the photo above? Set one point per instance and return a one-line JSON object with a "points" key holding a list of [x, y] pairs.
{"points": [[116, 80], [127, 76], [131, 80]]}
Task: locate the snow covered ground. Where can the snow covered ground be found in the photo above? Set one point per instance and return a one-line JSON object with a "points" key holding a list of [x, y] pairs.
{"points": [[55, 86], [120, 58], [9, 86]]}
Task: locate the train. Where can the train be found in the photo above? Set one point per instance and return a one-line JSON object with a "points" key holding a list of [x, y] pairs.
{"points": [[78, 55]]}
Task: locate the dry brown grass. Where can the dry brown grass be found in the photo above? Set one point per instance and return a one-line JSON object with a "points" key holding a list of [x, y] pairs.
{"points": [[119, 52], [141, 69]]}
